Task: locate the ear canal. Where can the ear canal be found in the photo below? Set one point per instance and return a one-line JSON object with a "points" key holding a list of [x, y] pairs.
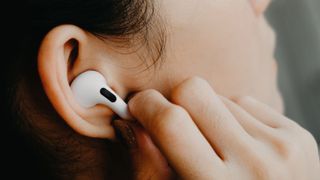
{"points": [[90, 88]]}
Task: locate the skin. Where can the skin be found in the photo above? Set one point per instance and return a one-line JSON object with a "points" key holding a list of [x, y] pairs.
{"points": [[228, 46], [209, 136]]}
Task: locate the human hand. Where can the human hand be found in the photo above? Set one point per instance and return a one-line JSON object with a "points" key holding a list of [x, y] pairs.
{"points": [[205, 136]]}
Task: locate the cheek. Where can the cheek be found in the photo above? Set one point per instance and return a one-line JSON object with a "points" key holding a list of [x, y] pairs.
{"points": [[219, 41]]}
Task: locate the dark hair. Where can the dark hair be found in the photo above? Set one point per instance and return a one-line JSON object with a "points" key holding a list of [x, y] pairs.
{"points": [[129, 23]]}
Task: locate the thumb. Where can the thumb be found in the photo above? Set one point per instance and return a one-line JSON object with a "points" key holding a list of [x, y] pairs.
{"points": [[147, 160]]}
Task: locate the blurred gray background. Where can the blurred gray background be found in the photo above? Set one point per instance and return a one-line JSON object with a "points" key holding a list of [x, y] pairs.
{"points": [[297, 23]]}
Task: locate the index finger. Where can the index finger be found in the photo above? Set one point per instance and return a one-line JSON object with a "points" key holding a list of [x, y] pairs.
{"points": [[176, 135]]}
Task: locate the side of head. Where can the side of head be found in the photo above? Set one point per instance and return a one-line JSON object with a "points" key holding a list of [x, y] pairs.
{"points": [[135, 45], [65, 40]]}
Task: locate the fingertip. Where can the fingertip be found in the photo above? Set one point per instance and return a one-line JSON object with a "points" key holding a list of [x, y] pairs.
{"points": [[147, 104]]}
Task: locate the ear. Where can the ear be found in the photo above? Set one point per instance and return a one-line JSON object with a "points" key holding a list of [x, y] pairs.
{"points": [[260, 6], [65, 52]]}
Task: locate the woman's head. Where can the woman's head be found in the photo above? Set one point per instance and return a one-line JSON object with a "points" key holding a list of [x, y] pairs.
{"points": [[136, 45]]}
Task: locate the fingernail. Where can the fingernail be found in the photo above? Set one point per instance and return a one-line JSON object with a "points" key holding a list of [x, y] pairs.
{"points": [[125, 133]]}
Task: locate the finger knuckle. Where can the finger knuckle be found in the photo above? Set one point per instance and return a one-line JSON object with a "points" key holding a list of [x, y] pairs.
{"points": [[289, 149], [149, 93], [187, 88], [290, 124], [243, 100], [306, 135], [142, 97], [195, 80], [295, 140], [308, 138], [168, 120], [261, 170], [266, 169]]}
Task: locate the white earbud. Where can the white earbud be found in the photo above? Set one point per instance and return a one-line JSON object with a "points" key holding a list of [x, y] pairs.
{"points": [[90, 88]]}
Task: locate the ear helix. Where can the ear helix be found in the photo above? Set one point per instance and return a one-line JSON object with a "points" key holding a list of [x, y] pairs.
{"points": [[90, 88]]}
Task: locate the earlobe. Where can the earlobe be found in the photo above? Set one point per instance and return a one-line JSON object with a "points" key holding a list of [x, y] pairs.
{"points": [[55, 53], [260, 6]]}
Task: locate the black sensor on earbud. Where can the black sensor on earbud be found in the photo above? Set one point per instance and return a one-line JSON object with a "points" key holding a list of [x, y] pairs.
{"points": [[107, 94]]}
